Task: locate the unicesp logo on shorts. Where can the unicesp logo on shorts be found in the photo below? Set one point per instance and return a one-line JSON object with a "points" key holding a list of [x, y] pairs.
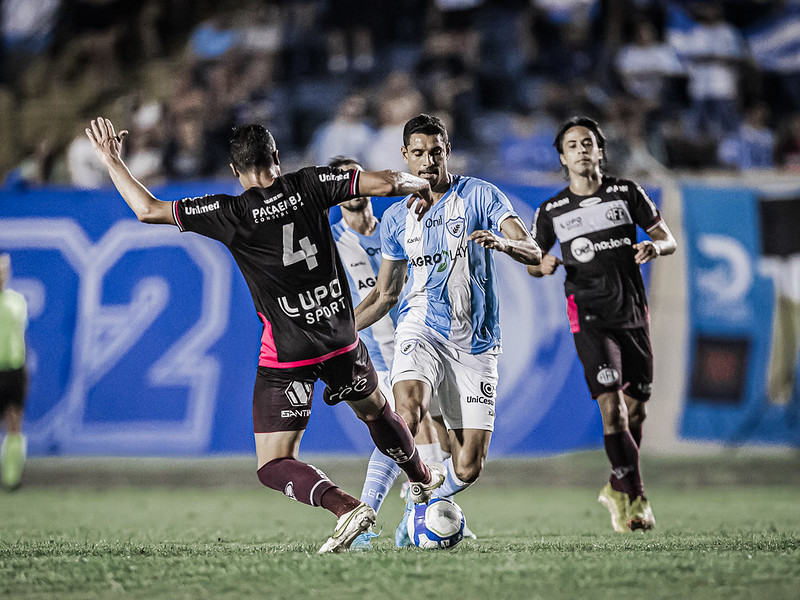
{"points": [[584, 250]]}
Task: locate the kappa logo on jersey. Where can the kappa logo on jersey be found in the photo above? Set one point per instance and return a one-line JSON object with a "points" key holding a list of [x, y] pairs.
{"points": [[199, 210], [617, 188], [413, 240], [408, 346], [344, 392], [590, 201], [455, 226], [557, 203], [584, 250], [313, 305], [607, 376]]}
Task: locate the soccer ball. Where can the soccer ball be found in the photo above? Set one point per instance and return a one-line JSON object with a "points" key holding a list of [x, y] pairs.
{"points": [[436, 525]]}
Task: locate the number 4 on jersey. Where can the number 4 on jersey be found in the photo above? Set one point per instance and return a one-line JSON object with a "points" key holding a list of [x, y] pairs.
{"points": [[307, 250]]}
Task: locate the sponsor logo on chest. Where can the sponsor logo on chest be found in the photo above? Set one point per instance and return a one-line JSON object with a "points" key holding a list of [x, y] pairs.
{"points": [[586, 220], [276, 207]]}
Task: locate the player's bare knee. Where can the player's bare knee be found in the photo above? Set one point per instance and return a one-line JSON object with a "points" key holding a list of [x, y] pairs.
{"points": [[468, 472]]}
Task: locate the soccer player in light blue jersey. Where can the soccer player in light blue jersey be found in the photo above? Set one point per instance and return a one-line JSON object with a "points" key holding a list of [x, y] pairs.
{"points": [[358, 240], [448, 333]]}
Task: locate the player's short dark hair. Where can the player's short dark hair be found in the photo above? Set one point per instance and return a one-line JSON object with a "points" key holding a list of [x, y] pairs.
{"points": [[586, 122], [251, 147], [337, 162], [427, 124]]}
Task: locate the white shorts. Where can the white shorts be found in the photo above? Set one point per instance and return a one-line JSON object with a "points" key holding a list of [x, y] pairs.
{"points": [[463, 385]]}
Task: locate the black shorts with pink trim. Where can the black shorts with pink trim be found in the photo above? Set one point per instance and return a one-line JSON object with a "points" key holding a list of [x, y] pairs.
{"points": [[616, 359], [282, 398]]}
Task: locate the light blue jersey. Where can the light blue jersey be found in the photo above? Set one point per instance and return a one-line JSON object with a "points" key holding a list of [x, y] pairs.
{"points": [[452, 282], [361, 257]]}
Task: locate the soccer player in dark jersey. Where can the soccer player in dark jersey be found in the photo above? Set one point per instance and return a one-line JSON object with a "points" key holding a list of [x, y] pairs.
{"points": [[279, 234], [594, 219]]}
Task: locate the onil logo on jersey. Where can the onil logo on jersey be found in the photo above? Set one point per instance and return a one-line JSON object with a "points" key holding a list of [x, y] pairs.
{"points": [[607, 376], [433, 222], [584, 250], [455, 226]]}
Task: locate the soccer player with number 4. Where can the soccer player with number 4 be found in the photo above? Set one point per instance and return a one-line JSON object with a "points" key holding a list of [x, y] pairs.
{"points": [[279, 234], [594, 219]]}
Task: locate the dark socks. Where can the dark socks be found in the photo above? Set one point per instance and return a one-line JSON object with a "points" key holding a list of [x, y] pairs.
{"points": [[623, 454], [393, 438], [305, 483]]}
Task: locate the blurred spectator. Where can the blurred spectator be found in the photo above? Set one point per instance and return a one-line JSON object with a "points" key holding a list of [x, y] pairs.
{"points": [[144, 153], [647, 66], [27, 28], [752, 146], [714, 53], [629, 152], [43, 165], [347, 134], [529, 147], [788, 150], [399, 101], [85, 169], [213, 38], [186, 153], [350, 39]]}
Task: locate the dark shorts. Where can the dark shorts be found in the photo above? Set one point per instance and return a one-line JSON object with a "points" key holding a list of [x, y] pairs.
{"points": [[282, 397], [616, 359], [13, 388]]}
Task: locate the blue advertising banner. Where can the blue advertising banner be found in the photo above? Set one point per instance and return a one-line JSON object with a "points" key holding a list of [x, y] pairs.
{"points": [[744, 303], [144, 341]]}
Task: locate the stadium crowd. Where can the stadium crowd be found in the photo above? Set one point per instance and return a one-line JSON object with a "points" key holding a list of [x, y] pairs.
{"points": [[678, 85]]}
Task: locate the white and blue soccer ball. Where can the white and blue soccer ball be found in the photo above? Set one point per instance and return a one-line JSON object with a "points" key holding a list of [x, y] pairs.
{"points": [[436, 525]]}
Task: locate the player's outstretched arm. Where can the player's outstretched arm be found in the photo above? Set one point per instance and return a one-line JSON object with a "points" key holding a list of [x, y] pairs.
{"points": [[389, 284], [107, 145], [661, 243], [396, 183], [548, 266], [516, 241]]}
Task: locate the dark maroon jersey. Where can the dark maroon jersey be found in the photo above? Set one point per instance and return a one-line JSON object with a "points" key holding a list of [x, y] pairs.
{"points": [[281, 239], [604, 285]]}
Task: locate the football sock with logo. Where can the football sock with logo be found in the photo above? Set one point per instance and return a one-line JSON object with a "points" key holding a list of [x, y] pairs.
{"points": [[392, 437], [624, 457], [302, 482], [382, 472], [452, 484]]}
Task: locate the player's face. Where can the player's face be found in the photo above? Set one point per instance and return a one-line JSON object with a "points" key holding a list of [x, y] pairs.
{"points": [[581, 154], [427, 156]]}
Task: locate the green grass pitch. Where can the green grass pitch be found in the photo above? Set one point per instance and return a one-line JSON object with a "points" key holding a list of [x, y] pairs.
{"points": [[728, 528]]}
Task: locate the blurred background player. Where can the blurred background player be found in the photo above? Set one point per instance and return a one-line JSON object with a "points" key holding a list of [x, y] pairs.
{"points": [[279, 234], [358, 241], [595, 219], [448, 336], [13, 377]]}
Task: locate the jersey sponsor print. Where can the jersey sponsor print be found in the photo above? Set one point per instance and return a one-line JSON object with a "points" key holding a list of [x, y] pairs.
{"points": [[604, 284], [281, 239], [452, 282]]}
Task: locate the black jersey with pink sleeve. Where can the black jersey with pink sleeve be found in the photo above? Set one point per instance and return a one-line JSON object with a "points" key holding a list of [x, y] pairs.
{"points": [[604, 286], [281, 239]]}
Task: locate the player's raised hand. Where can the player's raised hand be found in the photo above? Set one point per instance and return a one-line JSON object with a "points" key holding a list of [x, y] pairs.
{"points": [[421, 201], [106, 142], [549, 264], [645, 252], [489, 239]]}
